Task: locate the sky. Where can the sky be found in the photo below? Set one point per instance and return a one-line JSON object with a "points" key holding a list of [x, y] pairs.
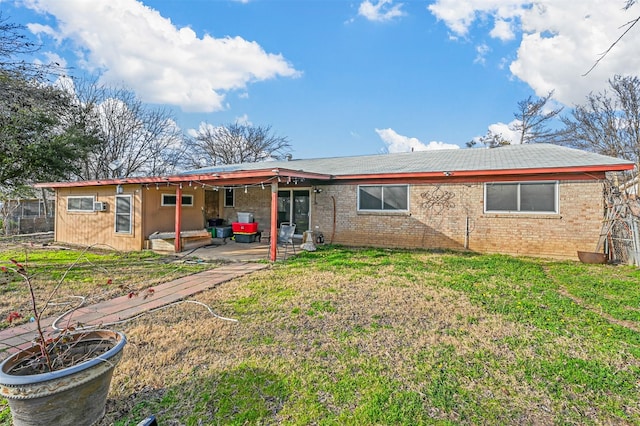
{"points": [[340, 77]]}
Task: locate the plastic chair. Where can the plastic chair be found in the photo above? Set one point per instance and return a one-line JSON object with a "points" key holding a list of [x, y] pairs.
{"points": [[285, 237]]}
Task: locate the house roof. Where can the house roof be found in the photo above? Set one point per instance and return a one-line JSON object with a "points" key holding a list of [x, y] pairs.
{"points": [[507, 158], [525, 159]]}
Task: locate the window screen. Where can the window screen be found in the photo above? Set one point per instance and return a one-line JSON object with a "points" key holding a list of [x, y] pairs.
{"points": [[123, 214], [383, 197], [535, 197], [80, 204]]}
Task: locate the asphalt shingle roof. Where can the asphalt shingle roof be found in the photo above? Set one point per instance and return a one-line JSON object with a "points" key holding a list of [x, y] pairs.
{"points": [[511, 157]]}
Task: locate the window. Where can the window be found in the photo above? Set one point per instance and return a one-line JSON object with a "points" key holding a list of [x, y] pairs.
{"points": [[123, 214], [80, 204], [229, 197], [383, 197], [170, 200], [523, 197]]}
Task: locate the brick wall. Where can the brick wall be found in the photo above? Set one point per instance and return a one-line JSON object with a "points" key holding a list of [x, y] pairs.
{"points": [[439, 216], [256, 200]]}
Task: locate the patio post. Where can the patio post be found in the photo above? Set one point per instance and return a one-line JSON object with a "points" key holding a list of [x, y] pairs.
{"points": [[273, 241], [177, 245]]}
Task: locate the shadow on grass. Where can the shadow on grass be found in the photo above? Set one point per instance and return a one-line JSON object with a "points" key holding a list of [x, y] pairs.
{"points": [[244, 395]]}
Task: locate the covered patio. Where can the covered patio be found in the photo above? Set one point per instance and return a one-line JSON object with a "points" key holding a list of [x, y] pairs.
{"points": [[273, 179], [232, 251]]}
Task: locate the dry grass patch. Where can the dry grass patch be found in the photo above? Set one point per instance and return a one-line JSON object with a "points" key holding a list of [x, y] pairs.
{"points": [[90, 275]]}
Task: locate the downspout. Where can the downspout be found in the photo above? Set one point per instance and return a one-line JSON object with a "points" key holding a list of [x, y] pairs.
{"points": [[466, 234], [273, 241], [333, 229], [177, 242]]}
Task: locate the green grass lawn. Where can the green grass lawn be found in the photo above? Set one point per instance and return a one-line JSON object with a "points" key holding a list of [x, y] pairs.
{"points": [[372, 336]]}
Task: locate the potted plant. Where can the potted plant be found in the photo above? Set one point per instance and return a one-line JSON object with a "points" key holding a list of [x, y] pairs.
{"points": [[62, 379]]}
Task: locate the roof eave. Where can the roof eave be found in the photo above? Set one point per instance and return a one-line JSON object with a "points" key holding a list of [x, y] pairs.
{"points": [[209, 178], [500, 172]]}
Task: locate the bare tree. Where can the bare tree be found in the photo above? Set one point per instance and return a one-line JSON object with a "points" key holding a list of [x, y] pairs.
{"points": [[609, 122], [490, 140], [629, 25], [236, 143], [532, 124], [533, 118], [134, 139]]}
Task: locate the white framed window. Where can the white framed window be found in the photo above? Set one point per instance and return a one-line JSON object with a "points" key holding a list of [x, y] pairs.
{"points": [[80, 203], [521, 197], [124, 209], [229, 197], [388, 198], [170, 200]]}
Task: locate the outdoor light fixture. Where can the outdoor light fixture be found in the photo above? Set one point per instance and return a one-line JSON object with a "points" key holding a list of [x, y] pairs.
{"points": [[447, 173], [119, 189], [317, 190]]}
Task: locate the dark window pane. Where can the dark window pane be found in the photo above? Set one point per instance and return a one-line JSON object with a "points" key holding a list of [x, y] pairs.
{"points": [[229, 197], [502, 197], [80, 203], [123, 223], [123, 205], [370, 198], [123, 214], [538, 197], [395, 197], [170, 200]]}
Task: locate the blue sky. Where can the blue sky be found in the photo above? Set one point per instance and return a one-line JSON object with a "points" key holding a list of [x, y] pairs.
{"points": [[340, 77]]}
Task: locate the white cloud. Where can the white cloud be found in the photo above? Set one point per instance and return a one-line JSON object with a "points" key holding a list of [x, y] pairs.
{"points": [[244, 120], [380, 11], [399, 143], [502, 30], [204, 127], [506, 131], [482, 51], [559, 40], [132, 44], [460, 15]]}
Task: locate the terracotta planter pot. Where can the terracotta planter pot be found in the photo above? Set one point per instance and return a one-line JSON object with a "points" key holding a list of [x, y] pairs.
{"points": [[591, 257], [76, 395]]}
